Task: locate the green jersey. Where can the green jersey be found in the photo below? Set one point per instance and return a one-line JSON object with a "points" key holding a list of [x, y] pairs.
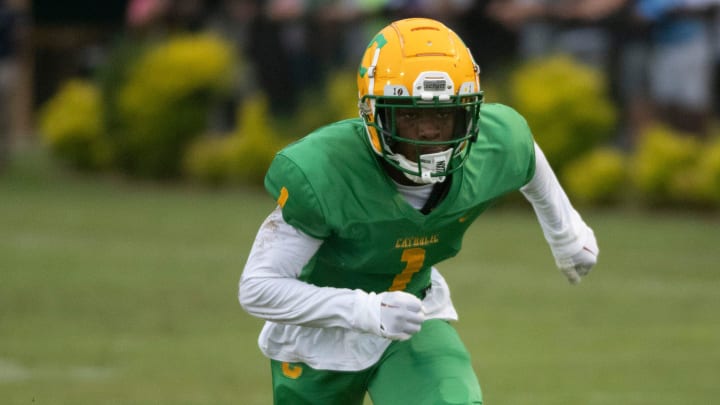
{"points": [[332, 186]]}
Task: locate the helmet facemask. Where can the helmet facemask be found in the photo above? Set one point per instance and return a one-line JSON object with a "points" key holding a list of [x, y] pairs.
{"points": [[424, 168]]}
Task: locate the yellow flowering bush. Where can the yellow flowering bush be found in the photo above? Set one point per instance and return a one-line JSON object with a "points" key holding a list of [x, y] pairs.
{"points": [[698, 184], [663, 162], [182, 66], [165, 102], [341, 95], [71, 124], [253, 144], [335, 100], [708, 175], [566, 105], [206, 159], [598, 177], [240, 157], [245, 155]]}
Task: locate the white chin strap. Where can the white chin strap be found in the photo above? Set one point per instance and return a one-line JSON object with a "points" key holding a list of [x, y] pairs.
{"points": [[431, 163]]}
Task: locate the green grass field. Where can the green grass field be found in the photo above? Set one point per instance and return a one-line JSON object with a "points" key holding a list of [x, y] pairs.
{"points": [[113, 292]]}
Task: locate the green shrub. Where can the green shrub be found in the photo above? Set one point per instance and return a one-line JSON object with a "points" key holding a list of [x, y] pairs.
{"points": [[206, 159], [245, 155], [254, 143], [240, 157], [663, 164], [699, 184], [598, 177], [71, 124], [341, 95], [566, 106], [335, 100], [709, 174], [166, 100]]}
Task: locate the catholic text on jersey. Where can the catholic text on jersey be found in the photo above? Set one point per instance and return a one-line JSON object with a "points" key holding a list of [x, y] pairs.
{"points": [[416, 241]]}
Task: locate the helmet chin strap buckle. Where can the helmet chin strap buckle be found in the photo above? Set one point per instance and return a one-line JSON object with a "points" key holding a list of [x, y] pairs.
{"points": [[430, 166]]}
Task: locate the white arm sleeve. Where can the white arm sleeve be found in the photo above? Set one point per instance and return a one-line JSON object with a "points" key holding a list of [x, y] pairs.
{"points": [[564, 229], [269, 286]]}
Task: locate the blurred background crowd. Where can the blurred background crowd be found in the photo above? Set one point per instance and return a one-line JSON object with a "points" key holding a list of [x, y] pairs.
{"points": [[613, 69]]}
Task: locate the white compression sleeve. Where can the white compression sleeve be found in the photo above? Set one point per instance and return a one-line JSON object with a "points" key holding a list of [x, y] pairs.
{"points": [[269, 286], [562, 226]]}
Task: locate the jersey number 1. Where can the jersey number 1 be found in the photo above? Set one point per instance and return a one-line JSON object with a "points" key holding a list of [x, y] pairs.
{"points": [[414, 258]]}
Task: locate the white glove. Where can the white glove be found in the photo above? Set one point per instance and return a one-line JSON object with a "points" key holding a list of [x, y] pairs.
{"points": [[395, 315], [579, 265], [401, 315]]}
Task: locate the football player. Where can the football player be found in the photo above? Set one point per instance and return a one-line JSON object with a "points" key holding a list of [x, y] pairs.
{"points": [[343, 270]]}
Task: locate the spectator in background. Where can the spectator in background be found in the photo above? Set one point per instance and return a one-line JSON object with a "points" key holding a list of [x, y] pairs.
{"points": [[143, 13], [294, 43], [597, 33], [680, 65], [276, 43], [232, 19], [158, 17], [9, 35], [494, 45], [575, 27]]}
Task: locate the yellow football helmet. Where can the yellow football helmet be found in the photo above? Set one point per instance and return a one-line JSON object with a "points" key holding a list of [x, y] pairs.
{"points": [[419, 63]]}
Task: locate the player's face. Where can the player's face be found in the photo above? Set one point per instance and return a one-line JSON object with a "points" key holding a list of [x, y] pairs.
{"points": [[423, 124]]}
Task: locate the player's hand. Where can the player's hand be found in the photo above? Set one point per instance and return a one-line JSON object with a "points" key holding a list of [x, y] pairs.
{"points": [[580, 264], [401, 315], [394, 315]]}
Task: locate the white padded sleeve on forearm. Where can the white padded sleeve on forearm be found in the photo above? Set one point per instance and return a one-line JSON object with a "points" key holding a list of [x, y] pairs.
{"points": [[562, 226], [269, 286]]}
